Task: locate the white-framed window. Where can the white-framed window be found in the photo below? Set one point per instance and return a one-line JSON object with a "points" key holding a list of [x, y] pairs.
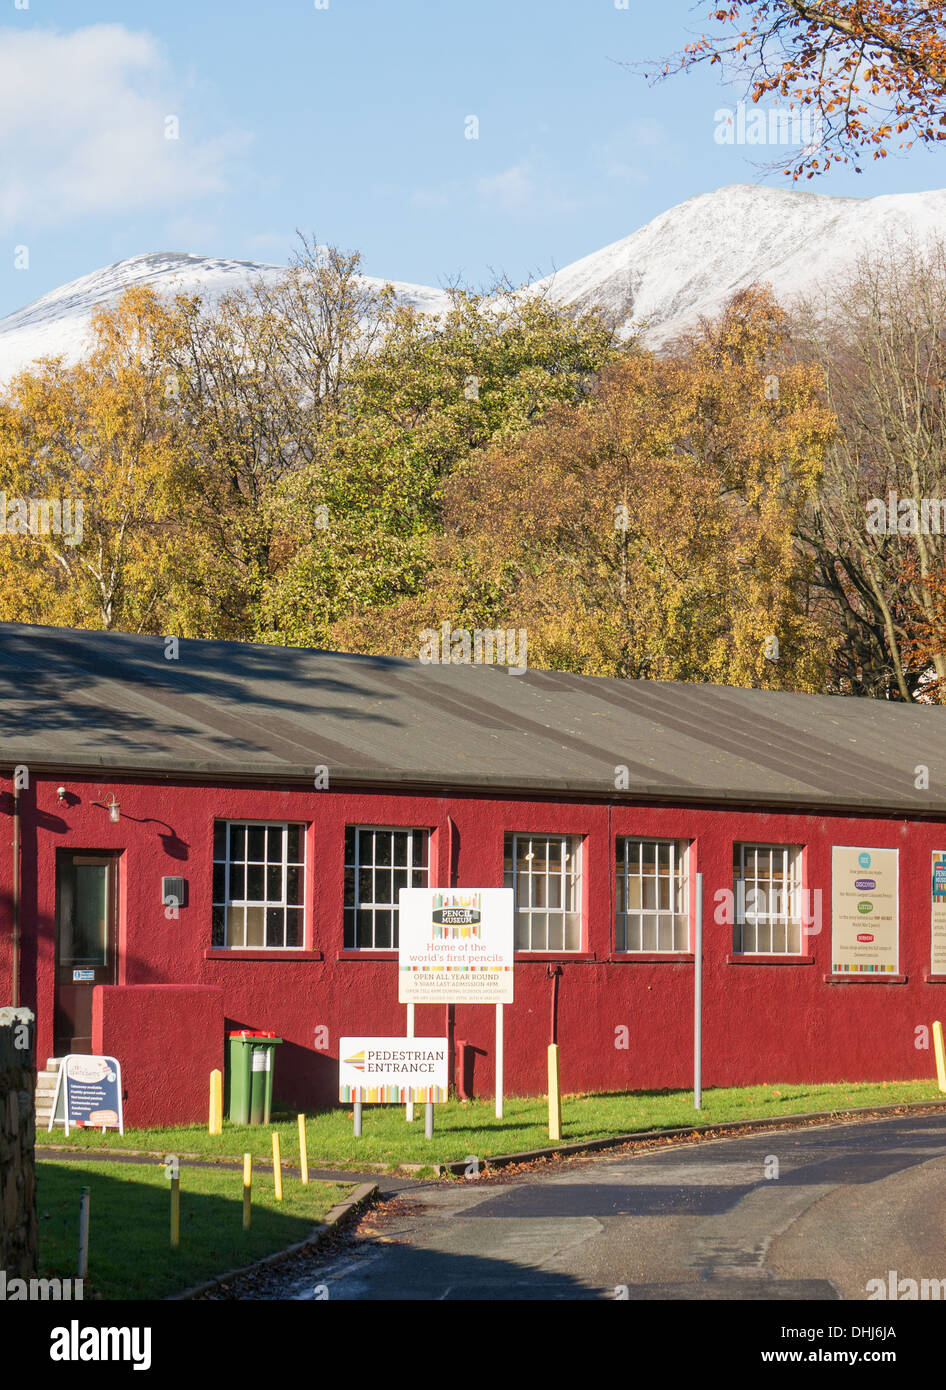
{"points": [[652, 896], [258, 885], [545, 873], [767, 890], [379, 862]]}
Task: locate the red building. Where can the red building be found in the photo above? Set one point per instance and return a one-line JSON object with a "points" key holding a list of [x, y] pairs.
{"points": [[209, 836]]}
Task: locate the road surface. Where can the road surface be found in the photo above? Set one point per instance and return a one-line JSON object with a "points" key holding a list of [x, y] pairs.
{"points": [[814, 1213]]}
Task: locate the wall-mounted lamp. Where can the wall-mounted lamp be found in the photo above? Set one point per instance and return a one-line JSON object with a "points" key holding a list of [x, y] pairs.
{"points": [[61, 793], [112, 807]]}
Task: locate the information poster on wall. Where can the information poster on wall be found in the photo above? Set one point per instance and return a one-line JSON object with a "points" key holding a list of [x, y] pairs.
{"points": [[864, 911], [455, 946], [938, 913]]}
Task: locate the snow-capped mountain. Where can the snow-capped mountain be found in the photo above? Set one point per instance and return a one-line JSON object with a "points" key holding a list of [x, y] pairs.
{"points": [[58, 324], [686, 262], [690, 260]]}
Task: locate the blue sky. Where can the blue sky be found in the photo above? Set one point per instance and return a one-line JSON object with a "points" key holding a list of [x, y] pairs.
{"points": [[350, 121]]}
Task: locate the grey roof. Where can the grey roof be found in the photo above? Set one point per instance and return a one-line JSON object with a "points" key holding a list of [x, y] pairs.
{"points": [[83, 701]]}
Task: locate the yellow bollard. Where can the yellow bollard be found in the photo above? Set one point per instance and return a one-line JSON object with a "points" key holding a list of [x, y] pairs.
{"points": [[175, 1213], [247, 1189], [940, 1055], [216, 1103], [277, 1167], [303, 1150], [555, 1099]]}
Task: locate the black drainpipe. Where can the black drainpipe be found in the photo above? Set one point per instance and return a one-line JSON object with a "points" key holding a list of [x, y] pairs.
{"points": [[15, 944]]}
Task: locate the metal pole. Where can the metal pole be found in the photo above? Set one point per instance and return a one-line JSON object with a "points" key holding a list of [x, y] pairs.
{"points": [[698, 999], [499, 1061], [83, 1269], [409, 1112], [429, 1120], [175, 1212], [357, 1119]]}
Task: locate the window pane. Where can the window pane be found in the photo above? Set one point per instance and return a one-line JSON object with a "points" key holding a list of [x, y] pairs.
{"points": [[572, 932], [237, 882], [274, 926], [293, 926], [365, 933], [218, 932], [255, 843], [382, 848], [254, 883], [220, 839], [295, 844], [382, 931], [237, 842], [274, 883], [349, 888], [293, 885], [254, 926], [349, 844], [220, 883], [400, 850], [365, 847], [420, 838], [235, 926], [274, 844]]}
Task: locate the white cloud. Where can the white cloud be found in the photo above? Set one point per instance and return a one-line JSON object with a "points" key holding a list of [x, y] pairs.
{"points": [[511, 189], [630, 154], [84, 117], [520, 188]]}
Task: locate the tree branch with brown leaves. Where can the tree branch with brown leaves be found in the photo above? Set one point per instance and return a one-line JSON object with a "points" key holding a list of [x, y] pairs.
{"points": [[874, 71]]}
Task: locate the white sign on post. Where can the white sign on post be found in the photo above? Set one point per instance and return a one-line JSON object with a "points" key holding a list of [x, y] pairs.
{"points": [[389, 1071], [455, 946]]}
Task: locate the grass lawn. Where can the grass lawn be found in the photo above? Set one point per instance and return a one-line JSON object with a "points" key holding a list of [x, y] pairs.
{"points": [[463, 1129], [130, 1255]]}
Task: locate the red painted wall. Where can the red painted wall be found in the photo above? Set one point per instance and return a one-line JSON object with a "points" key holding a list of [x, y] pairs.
{"points": [[168, 1039], [771, 1021]]}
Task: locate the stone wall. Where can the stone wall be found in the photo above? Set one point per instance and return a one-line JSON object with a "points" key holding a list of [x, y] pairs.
{"points": [[18, 1232]]}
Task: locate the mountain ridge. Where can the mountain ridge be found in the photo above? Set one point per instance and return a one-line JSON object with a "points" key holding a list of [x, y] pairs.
{"points": [[683, 263]]}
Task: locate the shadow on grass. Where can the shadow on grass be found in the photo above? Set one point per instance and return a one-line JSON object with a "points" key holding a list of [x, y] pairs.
{"points": [[130, 1254]]}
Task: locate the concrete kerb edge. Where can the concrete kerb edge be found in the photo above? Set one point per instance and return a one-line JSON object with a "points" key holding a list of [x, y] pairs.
{"points": [[697, 1131], [334, 1220]]}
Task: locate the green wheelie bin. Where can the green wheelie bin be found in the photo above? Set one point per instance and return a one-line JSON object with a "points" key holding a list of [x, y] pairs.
{"points": [[252, 1053]]}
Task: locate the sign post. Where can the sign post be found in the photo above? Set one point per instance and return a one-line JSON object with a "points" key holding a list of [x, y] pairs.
{"points": [[391, 1071], [409, 1109], [499, 1061], [455, 946], [698, 998], [88, 1094]]}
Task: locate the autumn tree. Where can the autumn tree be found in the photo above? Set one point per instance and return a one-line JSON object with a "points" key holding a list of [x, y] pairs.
{"points": [[879, 336], [872, 70], [359, 520], [97, 438], [646, 531]]}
